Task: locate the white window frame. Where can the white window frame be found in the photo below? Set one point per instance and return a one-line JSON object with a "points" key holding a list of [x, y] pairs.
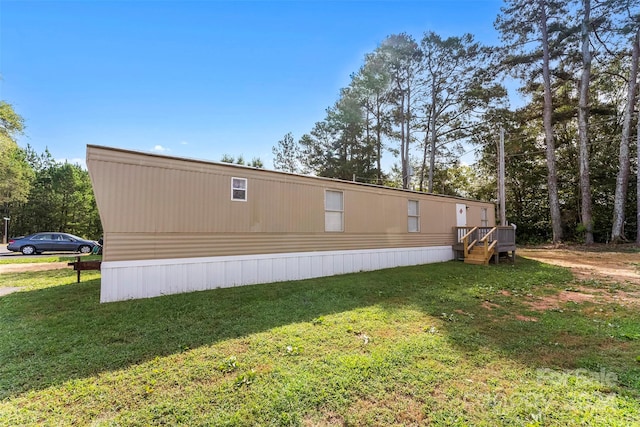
{"points": [[234, 188], [330, 213], [415, 217], [484, 217]]}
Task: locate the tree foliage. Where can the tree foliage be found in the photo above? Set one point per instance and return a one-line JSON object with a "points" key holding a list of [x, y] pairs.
{"points": [[254, 163], [457, 88], [39, 194], [406, 96], [15, 174], [286, 155], [61, 199]]}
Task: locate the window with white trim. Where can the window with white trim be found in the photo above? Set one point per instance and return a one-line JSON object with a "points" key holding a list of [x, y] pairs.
{"points": [[413, 216], [239, 189], [333, 211], [484, 217]]}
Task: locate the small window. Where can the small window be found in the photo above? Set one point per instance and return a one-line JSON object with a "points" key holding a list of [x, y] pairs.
{"points": [[484, 218], [414, 216], [239, 189], [333, 211]]}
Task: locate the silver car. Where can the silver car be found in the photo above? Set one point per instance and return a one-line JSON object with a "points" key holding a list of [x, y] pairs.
{"points": [[50, 242]]}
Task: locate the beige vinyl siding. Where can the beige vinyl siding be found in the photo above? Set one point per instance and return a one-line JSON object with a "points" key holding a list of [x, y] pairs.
{"points": [[156, 207], [138, 246]]}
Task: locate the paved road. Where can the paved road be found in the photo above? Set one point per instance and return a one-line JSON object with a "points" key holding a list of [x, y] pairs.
{"points": [[5, 254]]}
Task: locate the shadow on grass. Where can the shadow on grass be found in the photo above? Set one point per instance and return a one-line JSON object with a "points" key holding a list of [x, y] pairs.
{"points": [[60, 333]]}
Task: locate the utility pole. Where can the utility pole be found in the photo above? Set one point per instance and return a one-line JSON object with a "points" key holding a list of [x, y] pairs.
{"points": [[501, 191], [5, 238]]}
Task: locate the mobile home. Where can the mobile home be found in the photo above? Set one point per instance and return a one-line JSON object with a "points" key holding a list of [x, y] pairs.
{"points": [[175, 225]]}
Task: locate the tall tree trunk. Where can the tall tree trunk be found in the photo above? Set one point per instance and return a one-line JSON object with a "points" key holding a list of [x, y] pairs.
{"points": [[378, 139], [424, 160], [552, 179], [403, 158], [583, 126], [432, 154], [367, 129], [408, 135], [638, 183], [622, 179]]}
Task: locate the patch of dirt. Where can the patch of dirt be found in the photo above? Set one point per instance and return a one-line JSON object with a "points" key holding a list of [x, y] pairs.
{"points": [[489, 305], [602, 263], [599, 262], [41, 266], [526, 318], [403, 408], [330, 419], [8, 290], [550, 302]]}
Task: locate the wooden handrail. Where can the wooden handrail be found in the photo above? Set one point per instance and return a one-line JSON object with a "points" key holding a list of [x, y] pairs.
{"points": [[487, 247], [486, 236], [465, 241], [468, 234]]}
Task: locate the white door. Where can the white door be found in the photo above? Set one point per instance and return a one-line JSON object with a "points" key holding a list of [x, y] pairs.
{"points": [[461, 215]]}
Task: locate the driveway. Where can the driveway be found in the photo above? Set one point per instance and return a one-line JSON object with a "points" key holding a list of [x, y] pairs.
{"points": [[601, 262], [35, 266]]}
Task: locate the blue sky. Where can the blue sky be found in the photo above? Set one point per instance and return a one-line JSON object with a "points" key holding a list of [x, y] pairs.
{"points": [[197, 79]]}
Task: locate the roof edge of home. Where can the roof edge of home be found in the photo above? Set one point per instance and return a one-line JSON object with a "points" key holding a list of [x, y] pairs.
{"points": [[233, 165]]}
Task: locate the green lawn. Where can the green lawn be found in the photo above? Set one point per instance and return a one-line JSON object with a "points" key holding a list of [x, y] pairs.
{"points": [[442, 344]]}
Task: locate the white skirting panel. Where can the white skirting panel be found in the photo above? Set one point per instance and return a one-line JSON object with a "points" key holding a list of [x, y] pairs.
{"points": [[123, 280]]}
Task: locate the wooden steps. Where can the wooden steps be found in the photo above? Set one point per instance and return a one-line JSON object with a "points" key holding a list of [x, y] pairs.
{"points": [[467, 237], [478, 256], [479, 248]]}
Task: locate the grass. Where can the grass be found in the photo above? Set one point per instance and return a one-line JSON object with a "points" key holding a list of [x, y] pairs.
{"points": [[55, 258], [441, 344]]}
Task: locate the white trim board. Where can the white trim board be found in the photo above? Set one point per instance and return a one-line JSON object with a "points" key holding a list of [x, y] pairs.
{"points": [[124, 280]]}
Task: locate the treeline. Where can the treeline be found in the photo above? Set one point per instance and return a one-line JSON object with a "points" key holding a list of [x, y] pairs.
{"points": [[425, 103], [39, 194]]}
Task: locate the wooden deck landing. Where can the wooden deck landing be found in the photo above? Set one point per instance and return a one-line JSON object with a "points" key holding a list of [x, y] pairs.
{"points": [[477, 245]]}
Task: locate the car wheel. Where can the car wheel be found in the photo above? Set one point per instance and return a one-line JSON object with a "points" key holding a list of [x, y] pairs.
{"points": [[28, 250], [84, 249]]}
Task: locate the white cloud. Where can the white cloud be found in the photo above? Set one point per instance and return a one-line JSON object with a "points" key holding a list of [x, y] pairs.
{"points": [[160, 149], [183, 143]]}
